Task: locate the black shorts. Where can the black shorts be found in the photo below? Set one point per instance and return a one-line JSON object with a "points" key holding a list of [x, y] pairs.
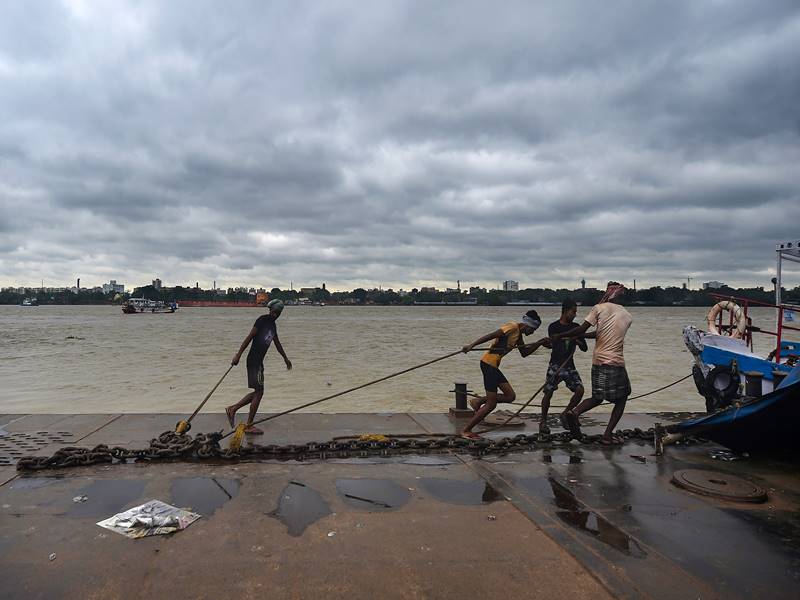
{"points": [[255, 375], [492, 377], [610, 383]]}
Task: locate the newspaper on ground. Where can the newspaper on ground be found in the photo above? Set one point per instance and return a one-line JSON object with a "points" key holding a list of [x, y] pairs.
{"points": [[151, 518]]}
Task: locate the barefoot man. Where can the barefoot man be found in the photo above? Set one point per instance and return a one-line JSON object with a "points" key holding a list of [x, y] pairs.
{"points": [[609, 378], [563, 351], [508, 337], [263, 333]]}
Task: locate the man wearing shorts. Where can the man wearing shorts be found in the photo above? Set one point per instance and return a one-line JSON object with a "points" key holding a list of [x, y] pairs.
{"points": [[562, 366], [508, 337], [610, 381], [263, 333]]}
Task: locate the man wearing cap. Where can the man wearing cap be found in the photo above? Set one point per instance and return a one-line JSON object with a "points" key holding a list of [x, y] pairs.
{"points": [[610, 381], [263, 333], [508, 337]]}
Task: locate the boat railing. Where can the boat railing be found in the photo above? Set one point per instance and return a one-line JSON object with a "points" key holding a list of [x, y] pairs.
{"points": [[746, 303]]}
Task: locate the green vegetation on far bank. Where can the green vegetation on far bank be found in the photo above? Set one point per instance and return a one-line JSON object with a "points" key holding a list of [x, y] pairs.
{"points": [[655, 296]]}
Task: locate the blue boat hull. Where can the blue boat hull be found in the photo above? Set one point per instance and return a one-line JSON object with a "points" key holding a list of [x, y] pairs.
{"points": [[765, 424]]}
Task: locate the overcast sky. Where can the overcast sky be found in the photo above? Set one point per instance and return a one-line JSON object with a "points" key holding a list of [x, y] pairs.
{"points": [[398, 143]]}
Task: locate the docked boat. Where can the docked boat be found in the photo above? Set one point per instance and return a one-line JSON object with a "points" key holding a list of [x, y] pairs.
{"points": [[753, 401], [29, 302], [134, 306]]}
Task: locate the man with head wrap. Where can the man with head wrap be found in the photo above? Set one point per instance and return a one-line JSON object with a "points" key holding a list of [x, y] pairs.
{"points": [[263, 333], [609, 378], [508, 337]]}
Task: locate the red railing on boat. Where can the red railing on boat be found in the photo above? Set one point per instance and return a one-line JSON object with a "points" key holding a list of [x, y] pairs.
{"points": [[745, 303]]}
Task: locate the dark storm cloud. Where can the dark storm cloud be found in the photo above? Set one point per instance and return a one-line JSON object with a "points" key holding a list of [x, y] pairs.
{"points": [[397, 143]]}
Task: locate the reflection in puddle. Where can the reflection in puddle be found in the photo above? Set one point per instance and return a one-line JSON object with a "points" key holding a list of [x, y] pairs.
{"points": [[299, 506], [373, 494], [203, 495], [106, 497], [461, 492], [589, 521]]}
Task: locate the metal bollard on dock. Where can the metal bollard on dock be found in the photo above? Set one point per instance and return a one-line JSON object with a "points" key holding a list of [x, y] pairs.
{"points": [[461, 409]]}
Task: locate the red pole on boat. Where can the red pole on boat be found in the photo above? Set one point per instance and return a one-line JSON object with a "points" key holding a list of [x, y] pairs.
{"points": [[780, 330]]}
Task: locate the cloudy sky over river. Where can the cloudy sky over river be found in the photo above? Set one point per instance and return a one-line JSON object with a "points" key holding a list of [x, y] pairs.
{"points": [[397, 143]]}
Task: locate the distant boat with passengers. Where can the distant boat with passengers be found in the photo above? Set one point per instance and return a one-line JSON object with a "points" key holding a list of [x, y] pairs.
{"points": [[134, 306]]}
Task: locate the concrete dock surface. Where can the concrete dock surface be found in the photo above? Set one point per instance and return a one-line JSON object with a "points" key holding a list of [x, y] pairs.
{"points": [[577, 521]]}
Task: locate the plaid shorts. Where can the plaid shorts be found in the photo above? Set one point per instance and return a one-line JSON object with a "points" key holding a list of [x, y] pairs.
{"points": [[610, 383], [568, 374]]}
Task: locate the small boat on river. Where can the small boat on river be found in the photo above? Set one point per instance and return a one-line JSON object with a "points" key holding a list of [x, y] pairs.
{"points": [[134, 306]]}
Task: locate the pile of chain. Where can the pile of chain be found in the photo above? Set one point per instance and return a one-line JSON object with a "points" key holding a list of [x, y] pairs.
{"points": [[171, 446]]}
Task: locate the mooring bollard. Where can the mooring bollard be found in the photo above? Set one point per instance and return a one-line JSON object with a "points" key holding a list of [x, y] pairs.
{"points": [[752, 383], [461, 408]]}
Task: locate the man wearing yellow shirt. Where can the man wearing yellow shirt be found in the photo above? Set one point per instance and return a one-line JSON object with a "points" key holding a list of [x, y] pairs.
{"points": [[504, 340]]}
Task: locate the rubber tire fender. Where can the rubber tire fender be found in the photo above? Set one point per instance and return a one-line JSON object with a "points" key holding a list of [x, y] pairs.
{"points": [[699, 380], [720, 398]]}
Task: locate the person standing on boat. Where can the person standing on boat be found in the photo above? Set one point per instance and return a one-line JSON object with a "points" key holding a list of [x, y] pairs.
{"points": [[609, 378], [562, 366], [508, 337], [263, 333]]}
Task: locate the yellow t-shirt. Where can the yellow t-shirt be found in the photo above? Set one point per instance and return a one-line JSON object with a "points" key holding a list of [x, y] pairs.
{"points": [[507, 341]]}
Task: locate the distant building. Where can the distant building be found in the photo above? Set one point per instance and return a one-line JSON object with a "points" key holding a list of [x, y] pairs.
{"points": [[307, 291], [511, 286], [113, 287], [430, 290], [583, 284], [156, 284], [476, 290], [713, 285]]}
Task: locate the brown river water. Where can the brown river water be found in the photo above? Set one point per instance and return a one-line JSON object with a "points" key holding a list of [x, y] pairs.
{"points": [[94, 359]]}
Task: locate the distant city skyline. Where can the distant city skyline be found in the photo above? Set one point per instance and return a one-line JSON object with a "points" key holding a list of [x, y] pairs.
{"points": [[465, 286]]}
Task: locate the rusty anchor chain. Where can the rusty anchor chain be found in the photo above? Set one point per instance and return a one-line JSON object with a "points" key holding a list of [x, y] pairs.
{"points": [[172, 446]]}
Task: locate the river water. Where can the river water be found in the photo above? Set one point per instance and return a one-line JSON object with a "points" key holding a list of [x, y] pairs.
{"points": [[94, 359]]}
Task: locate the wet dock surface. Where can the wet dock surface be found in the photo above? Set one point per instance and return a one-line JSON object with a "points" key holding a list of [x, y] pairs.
{"points": [[576, 521]]}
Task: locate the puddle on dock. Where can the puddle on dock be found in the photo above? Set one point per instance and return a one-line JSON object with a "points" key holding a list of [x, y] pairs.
{"points": [[299, 506], [415, 459], [203, 495], [106, 497], [577, 516], [428, 461], [374, 495], [461, 492], [33, 483]]}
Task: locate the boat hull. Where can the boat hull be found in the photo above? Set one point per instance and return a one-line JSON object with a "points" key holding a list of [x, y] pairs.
{"points": [[765, 424]]}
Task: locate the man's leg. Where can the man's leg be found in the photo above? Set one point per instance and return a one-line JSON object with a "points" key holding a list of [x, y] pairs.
{"points": [[508, 395], [488, 406], [585, 406], [616, 415], [571, 416], [231, 410], [577, 395], [257, 395], [543, 428]]}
